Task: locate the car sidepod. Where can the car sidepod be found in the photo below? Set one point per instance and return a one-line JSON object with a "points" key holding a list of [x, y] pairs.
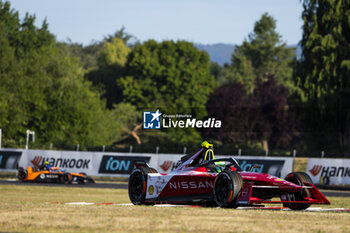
{"points": [[180, 188]]}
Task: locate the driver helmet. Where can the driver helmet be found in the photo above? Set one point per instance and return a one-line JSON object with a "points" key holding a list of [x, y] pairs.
{"points": [[46, 162], [207, 145], [209, 153]]}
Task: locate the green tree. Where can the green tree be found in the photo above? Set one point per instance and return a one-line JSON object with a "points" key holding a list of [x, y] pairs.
{"points": [[92, 57], [263, 53], [172, 76], [43, 88], [323, 73], [223, 74], [264, 115], [111, 65], [123, 35], [73, 113], [88, 55], [114, 52], [127, 122], [20, 42]]}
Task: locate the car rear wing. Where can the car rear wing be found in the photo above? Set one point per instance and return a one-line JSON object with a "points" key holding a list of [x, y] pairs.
{"points": [[141, 163]]}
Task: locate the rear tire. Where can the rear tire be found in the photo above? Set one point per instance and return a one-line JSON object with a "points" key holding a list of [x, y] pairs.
{"points": [[227, 186], [138, 184], [66, 178], [298, 178], [22, 174]]}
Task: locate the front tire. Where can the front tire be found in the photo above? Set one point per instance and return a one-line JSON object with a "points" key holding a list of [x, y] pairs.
{"points": [[298, 178], [90, 180], [138, 184], [227, 186]]}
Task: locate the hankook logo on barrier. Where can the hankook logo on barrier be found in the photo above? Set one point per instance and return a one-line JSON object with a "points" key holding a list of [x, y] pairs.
{"points": [[62, 162], [329, 171], [119, 164], [315, 170], [166, 165]]}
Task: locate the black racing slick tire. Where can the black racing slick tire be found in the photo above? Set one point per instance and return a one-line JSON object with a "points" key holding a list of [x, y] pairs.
{"points": [[138, 184], [90, 180], [301, 179], [66, 178], [22, 174], [227, 186]]}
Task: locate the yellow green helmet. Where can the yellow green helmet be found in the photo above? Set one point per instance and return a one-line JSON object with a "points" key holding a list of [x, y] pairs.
{"points": [[46, 162], [207, 145]]}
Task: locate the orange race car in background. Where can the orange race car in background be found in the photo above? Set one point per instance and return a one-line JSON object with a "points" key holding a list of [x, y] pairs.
{"points": [[52, 175]]}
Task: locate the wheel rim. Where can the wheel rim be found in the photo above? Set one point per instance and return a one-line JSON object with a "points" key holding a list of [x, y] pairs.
{"points": [[136, 186], [297, 196], [223, 188]]}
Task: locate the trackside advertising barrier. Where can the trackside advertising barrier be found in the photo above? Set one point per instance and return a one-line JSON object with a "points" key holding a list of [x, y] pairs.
{"points": [[9, 159], [329, 171], [121, 164], [92, 163], [276, 166]]}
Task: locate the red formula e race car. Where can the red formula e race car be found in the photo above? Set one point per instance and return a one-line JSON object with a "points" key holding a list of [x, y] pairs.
{"points": [[203, 180]]}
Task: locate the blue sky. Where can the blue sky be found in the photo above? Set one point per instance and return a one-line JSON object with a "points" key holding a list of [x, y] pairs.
{"points": [[198, 21]]}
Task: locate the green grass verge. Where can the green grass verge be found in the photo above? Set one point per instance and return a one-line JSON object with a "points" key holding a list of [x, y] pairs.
{"points": [[42, 209]]}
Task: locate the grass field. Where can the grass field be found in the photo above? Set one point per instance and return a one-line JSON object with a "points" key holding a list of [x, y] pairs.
{"points": [[42, 209]]}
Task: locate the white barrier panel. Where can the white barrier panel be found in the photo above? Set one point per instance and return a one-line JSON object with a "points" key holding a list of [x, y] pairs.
{"points": [[166, 162], [72, 161], [92, 163], [121, 164], [329, 171]]}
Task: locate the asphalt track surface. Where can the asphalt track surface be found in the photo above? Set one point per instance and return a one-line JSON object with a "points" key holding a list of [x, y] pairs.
{"points": [[327, 193]]}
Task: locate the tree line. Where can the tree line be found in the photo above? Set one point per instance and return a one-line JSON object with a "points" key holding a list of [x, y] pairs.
{"points": [[94, 95]]}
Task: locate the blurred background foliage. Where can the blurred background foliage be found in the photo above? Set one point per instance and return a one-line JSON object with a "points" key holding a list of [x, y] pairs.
{"points": [[267, 98]]}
